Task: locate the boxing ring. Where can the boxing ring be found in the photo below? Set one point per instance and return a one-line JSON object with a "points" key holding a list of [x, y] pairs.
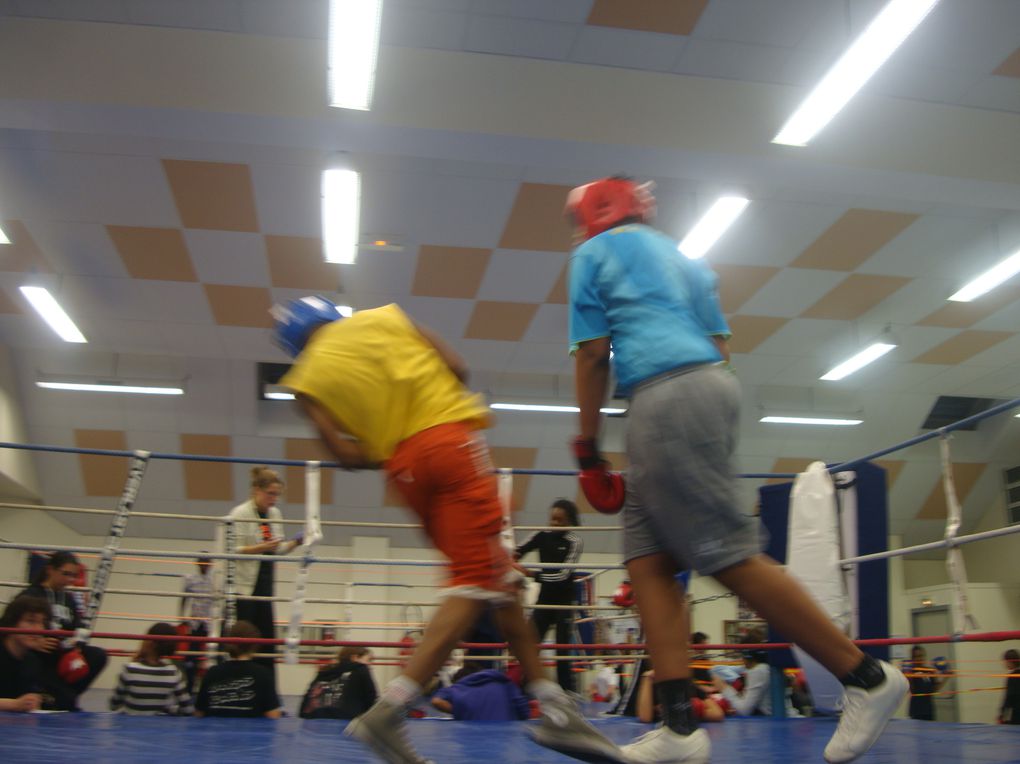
{"points": [[116, 738]]}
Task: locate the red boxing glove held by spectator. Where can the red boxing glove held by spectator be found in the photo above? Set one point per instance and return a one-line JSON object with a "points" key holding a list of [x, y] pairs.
{"points": [[72, 666], [603, 489]]}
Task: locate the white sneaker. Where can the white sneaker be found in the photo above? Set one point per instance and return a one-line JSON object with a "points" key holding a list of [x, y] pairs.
{"points": [[865, 714], [663, 746], [564, 729]]}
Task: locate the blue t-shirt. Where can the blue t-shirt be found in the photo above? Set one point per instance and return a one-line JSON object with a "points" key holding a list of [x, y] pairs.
{"points": [[658, 308]]}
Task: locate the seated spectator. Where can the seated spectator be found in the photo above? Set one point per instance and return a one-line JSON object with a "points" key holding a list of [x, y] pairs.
{"points": [[150, 684], [606, 686], [482, 696], [239, 687], [754, 698], [25, 683], [76, 666], [707, 707], [342, 690]]}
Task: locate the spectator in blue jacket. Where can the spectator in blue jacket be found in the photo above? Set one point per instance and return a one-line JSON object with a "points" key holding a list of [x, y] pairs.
{"points": [[482, 696]]}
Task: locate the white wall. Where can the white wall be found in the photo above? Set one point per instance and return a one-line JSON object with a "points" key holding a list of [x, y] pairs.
{"points": [[18, 481]]}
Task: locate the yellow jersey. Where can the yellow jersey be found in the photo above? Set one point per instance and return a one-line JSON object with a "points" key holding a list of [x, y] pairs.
{"points": [[382, 380]]}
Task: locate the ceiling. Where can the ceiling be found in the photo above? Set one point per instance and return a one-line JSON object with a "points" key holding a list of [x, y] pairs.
{"points": [[159, 171]]}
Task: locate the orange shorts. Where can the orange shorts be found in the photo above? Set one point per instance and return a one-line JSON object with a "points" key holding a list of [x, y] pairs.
{"points": [[445, 475]]}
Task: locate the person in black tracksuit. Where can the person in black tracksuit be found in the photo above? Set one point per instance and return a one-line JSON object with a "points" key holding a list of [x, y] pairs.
{"points": [[557, 585]]}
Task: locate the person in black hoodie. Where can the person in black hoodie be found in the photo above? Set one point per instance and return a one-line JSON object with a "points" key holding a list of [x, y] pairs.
{"points": [[341, 690], [50, 585], [1010, 711], [557, 586]]}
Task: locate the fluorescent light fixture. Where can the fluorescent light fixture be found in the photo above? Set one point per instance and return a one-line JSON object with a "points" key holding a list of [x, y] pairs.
{"points": [[856, 363], [111, 388], [279, 396], [47, 307], [712, 226], [862, 59], [341, 213], [549, 408], [3, 237], [810, 420], [990, 279], [353, 52], [345, 310]]}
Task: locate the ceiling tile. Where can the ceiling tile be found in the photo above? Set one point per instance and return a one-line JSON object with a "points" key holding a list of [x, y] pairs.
{"points": [[519, 37], [855, 296], [449, 271], [22, 254], [558, 293], [737, 283], [626, 48], [790, 292], [961, 315], [1010, 67], [102, 475], [965, 475], [307, 449], [750, 331], [549, 325], [296, 262], [677, 17], [7, 305], [213, 195], [78, 248], [239, 305], [228, 257], [153, 253], [536, 219], [500, 320], [852, 239], [208, 481], [521, 276], [963, 346]]}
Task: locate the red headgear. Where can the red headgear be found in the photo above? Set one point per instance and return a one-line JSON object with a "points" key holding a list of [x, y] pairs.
{"points": [[598, 206]]}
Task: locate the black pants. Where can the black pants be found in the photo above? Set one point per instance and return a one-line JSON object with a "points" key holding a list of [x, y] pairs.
{"points": [[542, 620], [259, 614]]}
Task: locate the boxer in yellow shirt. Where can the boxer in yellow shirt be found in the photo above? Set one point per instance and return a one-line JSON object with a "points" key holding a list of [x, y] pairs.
{"points": [[385, 392]]}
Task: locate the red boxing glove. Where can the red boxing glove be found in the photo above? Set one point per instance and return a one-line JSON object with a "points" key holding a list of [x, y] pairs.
{"points": [[603, 489], [72, 667], [624, 595]]}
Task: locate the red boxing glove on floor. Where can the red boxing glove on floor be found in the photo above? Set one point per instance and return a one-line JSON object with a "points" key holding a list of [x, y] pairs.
{"points": [[603, 489]]}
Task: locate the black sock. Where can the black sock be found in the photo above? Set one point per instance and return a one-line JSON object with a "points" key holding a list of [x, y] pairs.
{"points": [[868, 674], [674, 696]]}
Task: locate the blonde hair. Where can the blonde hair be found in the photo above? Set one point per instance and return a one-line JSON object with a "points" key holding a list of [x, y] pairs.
{"points": [[263, 477]]}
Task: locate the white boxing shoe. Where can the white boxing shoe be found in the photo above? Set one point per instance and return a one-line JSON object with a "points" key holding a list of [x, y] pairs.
{"points": [[664, 746], [865, 714]]}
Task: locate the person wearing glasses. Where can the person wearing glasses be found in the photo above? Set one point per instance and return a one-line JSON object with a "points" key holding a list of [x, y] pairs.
{"points": [[76, 666]]}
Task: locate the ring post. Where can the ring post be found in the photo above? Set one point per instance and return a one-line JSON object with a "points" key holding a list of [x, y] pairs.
{"points": [[136, 471]]}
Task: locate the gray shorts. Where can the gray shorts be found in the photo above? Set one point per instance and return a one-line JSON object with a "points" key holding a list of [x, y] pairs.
{"points": [[681, 493]]}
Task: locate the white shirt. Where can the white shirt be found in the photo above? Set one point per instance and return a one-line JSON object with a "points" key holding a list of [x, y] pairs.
{"points": [[248, 532]]}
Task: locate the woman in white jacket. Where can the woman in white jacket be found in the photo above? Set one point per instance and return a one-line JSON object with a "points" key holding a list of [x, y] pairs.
{"points": [[258, 530]]}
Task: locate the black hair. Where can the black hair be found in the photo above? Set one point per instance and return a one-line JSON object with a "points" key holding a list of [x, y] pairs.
{"points": [[163, 648], [699, 638], [570, 508], [19, 607], [56, 561], [1011, 655]]}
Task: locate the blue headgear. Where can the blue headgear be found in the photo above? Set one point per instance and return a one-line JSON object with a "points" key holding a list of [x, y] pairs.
{"points": [[296, 320]]}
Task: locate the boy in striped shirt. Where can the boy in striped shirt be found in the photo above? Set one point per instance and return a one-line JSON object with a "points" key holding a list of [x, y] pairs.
{"points": [[150, 685]]}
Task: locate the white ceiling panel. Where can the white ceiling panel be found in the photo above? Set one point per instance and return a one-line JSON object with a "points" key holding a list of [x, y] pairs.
{"points": [[485, 354], [549, 325], [520, 37], [703, 57], [79, 248], [423, 28], [540, 357], [228, 257], [764, 22], [446, 316], [777, 231], [298, 18], [572, 11], [627, 48], [289, 198], [221, 15], [790, 292], [992, 92], [519, 276]]}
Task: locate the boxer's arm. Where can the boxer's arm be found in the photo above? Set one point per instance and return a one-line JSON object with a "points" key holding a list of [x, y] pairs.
{"points": [[341, 444]]}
